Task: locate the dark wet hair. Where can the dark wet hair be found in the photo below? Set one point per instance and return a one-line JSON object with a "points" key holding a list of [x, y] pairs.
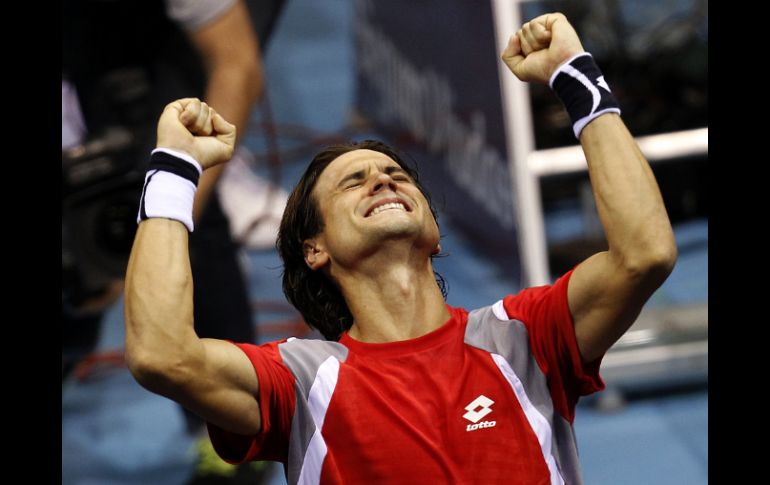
{"points": [[316, 297]]}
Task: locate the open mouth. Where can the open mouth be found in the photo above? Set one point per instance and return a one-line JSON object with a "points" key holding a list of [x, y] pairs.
{"points": [[386, 206]]}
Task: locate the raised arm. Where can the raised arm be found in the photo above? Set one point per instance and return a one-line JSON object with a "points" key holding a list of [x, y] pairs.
{"points": [[211, 378], [606, 291]]}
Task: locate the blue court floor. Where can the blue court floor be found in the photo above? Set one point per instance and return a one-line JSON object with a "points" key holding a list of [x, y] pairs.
{"points": [[114, 432]]}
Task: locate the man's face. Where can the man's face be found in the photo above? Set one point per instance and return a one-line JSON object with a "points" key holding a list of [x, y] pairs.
{"points": [[367, 200]]}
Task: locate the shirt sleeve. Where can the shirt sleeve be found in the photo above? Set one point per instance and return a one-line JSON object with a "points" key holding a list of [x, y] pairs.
{"points": [[545, 313], [276, 404], [193, 14]]}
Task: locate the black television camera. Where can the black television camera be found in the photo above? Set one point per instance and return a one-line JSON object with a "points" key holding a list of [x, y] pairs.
{"points": [[101, 186]]}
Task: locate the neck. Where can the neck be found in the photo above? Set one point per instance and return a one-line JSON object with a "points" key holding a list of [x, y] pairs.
{"points": [[393, 298]]}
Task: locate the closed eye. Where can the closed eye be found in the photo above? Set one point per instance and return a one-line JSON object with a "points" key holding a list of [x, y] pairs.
{"points": [[352, 180], [398, 174]]}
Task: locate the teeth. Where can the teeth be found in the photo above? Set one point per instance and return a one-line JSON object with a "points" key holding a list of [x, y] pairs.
{"points": [[389, 205]]}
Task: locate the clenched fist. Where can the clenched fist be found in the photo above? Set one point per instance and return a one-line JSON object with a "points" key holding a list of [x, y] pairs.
{"points": [[540, 46], [191, 126]]}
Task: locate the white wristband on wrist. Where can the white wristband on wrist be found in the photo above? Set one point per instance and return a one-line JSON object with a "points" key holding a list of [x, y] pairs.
{"points": [[169, 187]]}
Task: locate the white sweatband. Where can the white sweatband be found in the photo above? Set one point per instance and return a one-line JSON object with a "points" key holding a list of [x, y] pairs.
{"points": [[169, 187]]}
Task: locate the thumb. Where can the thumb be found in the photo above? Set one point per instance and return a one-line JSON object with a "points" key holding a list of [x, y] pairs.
{"points": [[512, 55], [224, 131], [222, 127]]}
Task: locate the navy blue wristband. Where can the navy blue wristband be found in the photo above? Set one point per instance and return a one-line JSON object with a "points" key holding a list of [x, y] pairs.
{"points": [[582, 89], [166, 162]]}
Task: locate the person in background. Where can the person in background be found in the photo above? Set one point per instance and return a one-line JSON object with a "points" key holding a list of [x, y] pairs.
{"points": [[121, 61], [120, 73]]}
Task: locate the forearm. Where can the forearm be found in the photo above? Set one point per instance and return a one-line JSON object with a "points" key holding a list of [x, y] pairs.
{"points": [[158, 301], [233, 94], [628, 199], [234, 90], [235, 81]]}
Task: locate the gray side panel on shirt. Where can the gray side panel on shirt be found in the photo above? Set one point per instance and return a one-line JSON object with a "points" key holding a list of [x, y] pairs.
{"points": [[510, 340], [303, 358]]}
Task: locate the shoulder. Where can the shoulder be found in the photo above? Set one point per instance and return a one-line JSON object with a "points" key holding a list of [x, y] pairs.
{"points": [[293, 348], [537, 299], [295, 353], [515, 316], [307, 358], [311, 350]]}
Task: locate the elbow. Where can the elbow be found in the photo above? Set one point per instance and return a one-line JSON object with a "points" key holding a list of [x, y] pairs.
{"points": [[159, 375], [663, 258], [662, 265], [147, 371], [654, 264]]}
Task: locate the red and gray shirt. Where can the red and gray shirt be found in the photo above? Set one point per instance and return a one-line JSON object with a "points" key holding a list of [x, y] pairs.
{"points": [[489, 397]]}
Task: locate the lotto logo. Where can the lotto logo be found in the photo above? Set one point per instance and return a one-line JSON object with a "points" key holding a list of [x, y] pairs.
{"points": [[483, 424], [478, 408]]}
